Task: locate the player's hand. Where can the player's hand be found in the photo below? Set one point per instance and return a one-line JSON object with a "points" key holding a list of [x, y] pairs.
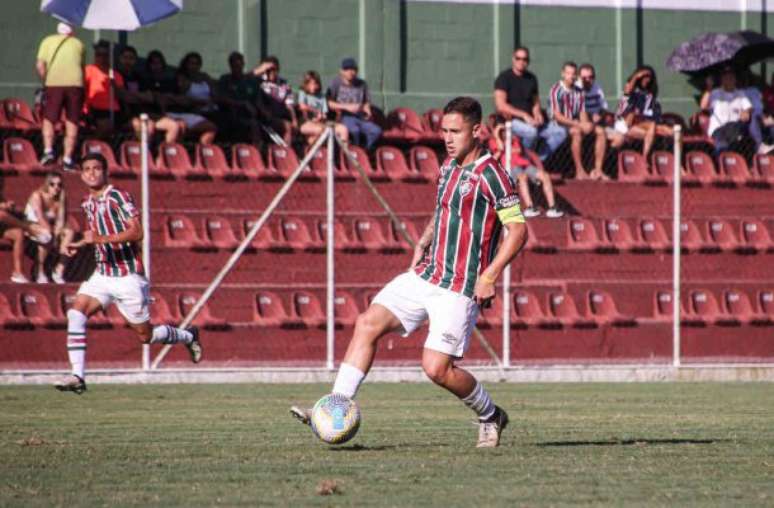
{"points": [[483, 293]]}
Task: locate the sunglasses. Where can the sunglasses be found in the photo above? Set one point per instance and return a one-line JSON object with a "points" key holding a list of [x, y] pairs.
{"points": [[55, 184]]}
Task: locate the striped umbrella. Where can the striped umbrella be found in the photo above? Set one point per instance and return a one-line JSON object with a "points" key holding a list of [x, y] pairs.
{"points": [[111, 14]]}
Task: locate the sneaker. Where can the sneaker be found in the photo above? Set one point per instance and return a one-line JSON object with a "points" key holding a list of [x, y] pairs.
{"points": [[554, 213], [764, 148], [531, 212], [489, 432], [303, 415], [195, 346], [71, 383], [58, 278], [42, 278], [47, 158], [19, 278], [68, 165]]}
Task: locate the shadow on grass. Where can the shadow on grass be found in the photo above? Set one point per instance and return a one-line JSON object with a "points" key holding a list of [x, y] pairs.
{"points": [[362, 448], [631, 442]]}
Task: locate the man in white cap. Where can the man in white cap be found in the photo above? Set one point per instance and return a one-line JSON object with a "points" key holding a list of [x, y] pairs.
{"points": [[60, 67]]}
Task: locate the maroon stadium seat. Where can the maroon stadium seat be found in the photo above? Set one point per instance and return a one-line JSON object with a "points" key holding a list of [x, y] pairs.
{"points": [[700, 166], [341, 238], [720, 235], [662, 166], [318, 166], [703, 305], [754, 236], [205, 318], [104, 149], [19, 155], [179, 232], [423, 164], [527, 310], [219, 233], [246, 161], [663, 305], [211, 159], [733, 167], [362, 157], [390, 161], [403, 125], [764, 168], [266, 239], [582, 235], [19, 115], [131, 158], [562, 307], [64, 301], [174, 157], [269, 311], [297, 235], [33, 305], [8, 318], [345, 308], [765, 299], [632, 167], [691, 239], [161, 312], [653, 234], [431, 121], [737, 304], [308, 308], [603, 310], [618, 233], [284, 160], [369, 233]]}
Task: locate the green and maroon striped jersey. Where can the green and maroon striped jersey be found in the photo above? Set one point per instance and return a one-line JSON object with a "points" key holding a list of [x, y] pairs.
{"points": [[472, 204], [108, 214]]}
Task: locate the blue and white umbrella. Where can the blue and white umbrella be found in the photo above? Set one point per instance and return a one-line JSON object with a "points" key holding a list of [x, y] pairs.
{"points": [[111, 14]]}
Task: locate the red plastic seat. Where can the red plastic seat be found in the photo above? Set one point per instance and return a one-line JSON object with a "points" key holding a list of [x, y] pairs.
{"points": [[284, 160], [536, 243], [297, 235], [174, 157], [527, 310], [763, 164], [602, 309], [700, 166], [19, 115], [131, 158], [493, 316], [205, 317], [618, 233], [423, 164], [8, 318], [691, 239], [431, 121], [161, 312], [246, 162], [65, 301], [765, 299], [345, 308], [663, 305], [390, 161], [269, 311], [653, 234], [212, 160], [362, 158], [308, 308], [662, 166], [369, 233], [754, 236], [632, 167], [582, 235], [737, 304], [179, 232], [219, 233], [721, 236], [702, 305], [266, 239], [398, 239], [562, 307], [403, 125], [104, 149], [318, 166], [733, 167], [341, 239], [19, 155], [34, 307]]}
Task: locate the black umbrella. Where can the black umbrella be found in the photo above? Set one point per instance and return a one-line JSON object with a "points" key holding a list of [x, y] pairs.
{"points": [[711, 49]]}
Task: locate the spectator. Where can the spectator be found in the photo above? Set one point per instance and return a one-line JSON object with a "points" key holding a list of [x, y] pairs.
{"points": [[157, 83], [314, 109], [60, 68], [516, 98], [240, 95], [348, 96], [100, 101], [568, 111], [593, 95], [13, 228], [280, 104], [157, 76], [639, 111], [127, 66], [523, 171], [46, 207], [757, 117], [186, 108]]}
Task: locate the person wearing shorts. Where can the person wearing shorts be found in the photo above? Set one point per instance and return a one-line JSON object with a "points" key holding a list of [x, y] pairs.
{"points": [[452, 273], [60, 68], [114, 229]]}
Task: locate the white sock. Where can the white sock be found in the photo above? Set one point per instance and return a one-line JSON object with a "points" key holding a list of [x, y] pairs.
{"points": [[480, 402], [76, 341], [348, 380], [67, 160], [165, 334]]}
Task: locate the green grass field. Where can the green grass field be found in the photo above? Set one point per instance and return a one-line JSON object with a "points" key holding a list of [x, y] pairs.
{"points": [[203, 445]]}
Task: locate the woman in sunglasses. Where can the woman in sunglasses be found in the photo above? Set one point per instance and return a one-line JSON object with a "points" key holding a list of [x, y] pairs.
{"points": [[46, 207]]}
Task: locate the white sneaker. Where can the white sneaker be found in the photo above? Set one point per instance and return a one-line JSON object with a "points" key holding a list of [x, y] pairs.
{"points": [[764, 148], [58, 278], [42, 278], [19, 278], [489, 432], [554, 213], [531, 212], [303, 415]]}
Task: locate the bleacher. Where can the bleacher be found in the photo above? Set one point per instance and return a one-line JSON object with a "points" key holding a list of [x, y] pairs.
{"points": [[592, 287]]}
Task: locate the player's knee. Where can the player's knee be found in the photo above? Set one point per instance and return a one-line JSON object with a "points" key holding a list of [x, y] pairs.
{"points": [[76, 320], [437, 372], [368, 326]]}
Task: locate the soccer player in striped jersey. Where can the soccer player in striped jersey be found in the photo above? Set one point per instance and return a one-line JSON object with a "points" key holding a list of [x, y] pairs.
{"points": [[452, 273], [115, 231]]}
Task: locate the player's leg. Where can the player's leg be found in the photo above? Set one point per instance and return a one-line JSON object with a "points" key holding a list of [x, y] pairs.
{"points": [[84, 306]]}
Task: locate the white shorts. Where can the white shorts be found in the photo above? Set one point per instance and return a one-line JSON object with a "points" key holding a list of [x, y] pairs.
{"points": [[131, 294], [413, 300]]}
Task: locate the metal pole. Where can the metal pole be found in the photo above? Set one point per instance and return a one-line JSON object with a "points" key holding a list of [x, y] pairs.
{"points": [[507, 271], [331, 287], [676, 251], [245, 243], [146, 237], [110, 91]]}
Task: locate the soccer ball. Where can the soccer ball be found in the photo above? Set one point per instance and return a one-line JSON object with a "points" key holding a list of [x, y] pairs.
{"points": [[335, 418]]}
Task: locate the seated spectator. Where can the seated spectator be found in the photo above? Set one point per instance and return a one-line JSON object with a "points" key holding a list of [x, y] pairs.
{"points": [[523, 171], [47, 207], [157, 77], [186, 108], [639, 111], [280, 104], [593, 96], [127, 66], [568, 111], [13, 229], [348, 96], [157, 84], [314, 109], [100, 101], [757, 117], [241, 98], [516, 98]]}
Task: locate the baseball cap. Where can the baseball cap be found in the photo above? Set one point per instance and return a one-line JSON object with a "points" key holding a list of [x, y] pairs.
{"points": [[64, 29], [349, 63]]}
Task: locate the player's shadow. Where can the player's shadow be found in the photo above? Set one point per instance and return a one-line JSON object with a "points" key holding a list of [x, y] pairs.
{"points": [[363, 448], [630, 442]]}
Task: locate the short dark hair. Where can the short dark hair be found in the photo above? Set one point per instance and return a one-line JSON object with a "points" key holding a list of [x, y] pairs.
{"points": [[468, 107], [235, 55], [95, 156], [587, 66], [569, 63], [129, 49], [271, 58], [521, 48], [101, 44]]}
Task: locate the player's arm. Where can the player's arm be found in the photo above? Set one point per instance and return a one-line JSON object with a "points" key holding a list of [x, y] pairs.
{"points": [[511, 245], [423, 243]]}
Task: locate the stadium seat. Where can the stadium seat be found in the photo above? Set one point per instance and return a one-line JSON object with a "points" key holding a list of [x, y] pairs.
{"points": [[211, 159], [691, 239], [131, 158], [34, 307], [703, 306], [701, 167], [205, 318], [671, 118], [663, 306], [527, 310], [431, 121], [403, 126], [8, 318], [269, 311], [390, 161], [297, 235], [618, 233], [179, 232], [654, 235], [341, 239], [536, 244], [284, 160], [763, 164], [19, 115], [754, 236], [161, 312], [266, 239], [602, 309], [721, 236], [318, 166], [562, 307], [308, 308], [765, 299], [104, 149], [219, 233], [345, 308], [362, 158], [582, 236], [399, 239], [246, 162], [369, 233], [733, 167], [737, 304], [662, 166], [19, 155], [174, 157], [423, 164], [632, 167], [64, 301]]}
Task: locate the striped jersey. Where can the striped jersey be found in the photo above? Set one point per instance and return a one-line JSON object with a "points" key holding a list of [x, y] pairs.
{"points": [[472, 204], [567, 101], [108, 214]]}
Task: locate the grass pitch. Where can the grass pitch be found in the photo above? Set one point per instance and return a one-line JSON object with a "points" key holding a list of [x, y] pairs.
{"points": [[204, 445]]}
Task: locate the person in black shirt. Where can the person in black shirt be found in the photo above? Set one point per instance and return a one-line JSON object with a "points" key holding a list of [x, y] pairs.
{"points": [[516, 98]]}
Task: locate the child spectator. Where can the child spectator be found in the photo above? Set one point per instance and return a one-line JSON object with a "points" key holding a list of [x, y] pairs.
{"points": [[314, 109]]}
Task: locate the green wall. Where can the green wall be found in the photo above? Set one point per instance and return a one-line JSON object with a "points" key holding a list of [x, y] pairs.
{"points": [[416, 54]]}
